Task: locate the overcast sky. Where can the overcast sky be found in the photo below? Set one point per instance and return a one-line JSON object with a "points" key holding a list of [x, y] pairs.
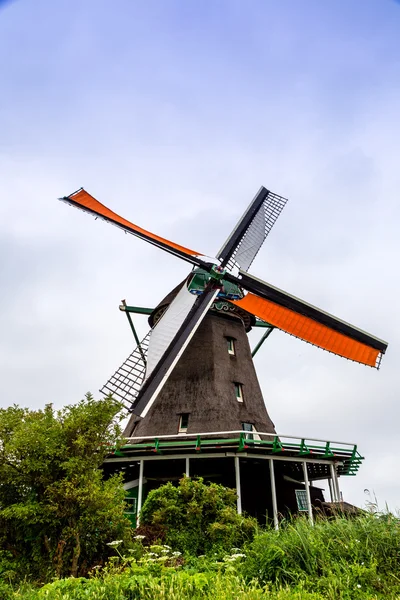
{"points": [[174, 113]]}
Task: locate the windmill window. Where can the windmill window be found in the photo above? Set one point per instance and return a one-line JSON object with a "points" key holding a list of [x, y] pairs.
{"points": [[238, 391], [231, 346], [248, 427], [301, 497], [131, 506], [183, 422]]}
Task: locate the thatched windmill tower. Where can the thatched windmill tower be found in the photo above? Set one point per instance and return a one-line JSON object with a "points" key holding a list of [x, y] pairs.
{"points": [[214, 386], [192, 388]]}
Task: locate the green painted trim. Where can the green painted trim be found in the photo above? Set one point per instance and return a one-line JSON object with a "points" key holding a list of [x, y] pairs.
{"points": [[350, 458]]}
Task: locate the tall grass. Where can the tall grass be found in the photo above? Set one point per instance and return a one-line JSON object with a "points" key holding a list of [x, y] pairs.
{"points": [[340, 558], [176, 586]]}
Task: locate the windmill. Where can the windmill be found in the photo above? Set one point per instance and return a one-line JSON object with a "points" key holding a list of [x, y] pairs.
{"points": [[193, 374]]}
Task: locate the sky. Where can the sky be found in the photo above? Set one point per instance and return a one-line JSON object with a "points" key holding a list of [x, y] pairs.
{"points": [[174, 113]]}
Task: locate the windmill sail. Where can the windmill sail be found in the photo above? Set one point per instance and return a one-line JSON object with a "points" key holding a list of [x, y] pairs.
{"points": [[311, 324], [83, 200], [168, 326], [246, 239], [126, 382], [281, 310], [161, 371]]}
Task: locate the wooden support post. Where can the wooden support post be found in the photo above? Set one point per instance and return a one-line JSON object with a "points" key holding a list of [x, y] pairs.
{"points": [[273, 493], [238, 488], [140, 492], [187, 467], [307, 486]]}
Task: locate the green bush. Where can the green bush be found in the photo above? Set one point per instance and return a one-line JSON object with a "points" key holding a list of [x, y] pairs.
{"points": [[57, 513], [197, 517]]}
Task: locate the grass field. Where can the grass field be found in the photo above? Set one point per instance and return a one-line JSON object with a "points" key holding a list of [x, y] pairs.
{"points": [[335, 559]]}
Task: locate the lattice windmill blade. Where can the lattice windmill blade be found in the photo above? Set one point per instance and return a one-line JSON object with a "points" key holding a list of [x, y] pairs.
{"points": [[184, 322], [127, 380], [167, 327], [83, 200], [309, 323], [242, 246]]}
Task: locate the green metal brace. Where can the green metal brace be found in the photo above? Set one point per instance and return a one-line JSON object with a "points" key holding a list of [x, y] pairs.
{"points": [[264, 337], [135, 335], [277, 446], [242, 442], [303, 450], [328, 451]]}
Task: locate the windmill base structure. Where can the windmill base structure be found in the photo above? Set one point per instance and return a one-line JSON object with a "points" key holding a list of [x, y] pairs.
{"points": [[190, 386], [197, 431]]}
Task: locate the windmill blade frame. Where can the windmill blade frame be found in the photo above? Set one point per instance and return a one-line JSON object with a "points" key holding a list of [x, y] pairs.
{"points": [[249, 234], [87, 203], [168, 325], [179, 343], [127, 380], [307, 322]]}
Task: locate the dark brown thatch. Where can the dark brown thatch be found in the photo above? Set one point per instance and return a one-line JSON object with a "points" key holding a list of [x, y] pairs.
{"points": [[202, 384]]}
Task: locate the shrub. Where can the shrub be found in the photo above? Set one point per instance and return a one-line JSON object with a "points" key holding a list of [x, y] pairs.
{"points": [[56, 511], [197, 517]]}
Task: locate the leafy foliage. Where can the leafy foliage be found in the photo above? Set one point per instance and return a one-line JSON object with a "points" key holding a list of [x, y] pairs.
{"points": [[197, 517], [56, 510]]}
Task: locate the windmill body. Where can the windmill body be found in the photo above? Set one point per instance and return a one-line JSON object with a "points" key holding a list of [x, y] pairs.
{"points": [[214, 386], [192, 390]]}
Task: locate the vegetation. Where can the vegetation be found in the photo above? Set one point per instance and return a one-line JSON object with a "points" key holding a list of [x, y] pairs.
{"points": [[336, 559], [56, 511], [195, 518], [64, 536]]}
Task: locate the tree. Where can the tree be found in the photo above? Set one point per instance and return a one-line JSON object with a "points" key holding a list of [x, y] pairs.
{"points": [[196, 517], [57, 512]]}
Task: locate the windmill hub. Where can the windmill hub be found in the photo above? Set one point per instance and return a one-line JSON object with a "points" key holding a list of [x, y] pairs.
{"points": [[200, 279]]}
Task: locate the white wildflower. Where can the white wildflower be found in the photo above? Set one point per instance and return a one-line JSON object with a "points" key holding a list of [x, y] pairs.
{"points": [[139, 537], [180, 554], [114, 543], [358, 585]]}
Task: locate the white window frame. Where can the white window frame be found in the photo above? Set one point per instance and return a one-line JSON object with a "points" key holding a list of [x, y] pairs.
{"points": [[182, 429], [238, 391], [133, 501], [251, 434], [301, 499], [231, 346]]}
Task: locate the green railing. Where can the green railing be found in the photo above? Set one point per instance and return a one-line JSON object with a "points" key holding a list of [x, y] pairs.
{"points": [[347, 455]]}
